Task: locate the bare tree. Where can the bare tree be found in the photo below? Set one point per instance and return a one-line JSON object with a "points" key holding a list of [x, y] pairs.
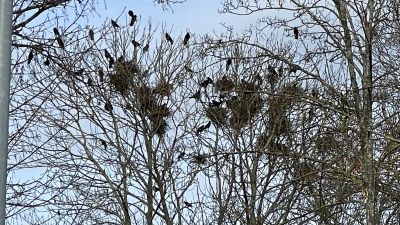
{"points": [[328, 120], [296, 126]]}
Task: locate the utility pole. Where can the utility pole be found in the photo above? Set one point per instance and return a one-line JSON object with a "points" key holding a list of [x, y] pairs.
{"points": [[6, 7]]}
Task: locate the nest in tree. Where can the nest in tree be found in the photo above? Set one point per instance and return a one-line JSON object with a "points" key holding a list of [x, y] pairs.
{"points": [[305, 171], [281, 124], [278, 148], [163, 88], [246, 87], [159, 125], [200, 159], [262, 141], [159, 111], [128, 68], [217, 115], [278, 105], [145, 97], [121, 82], [293, 89], [243, 111], [224, 84], [326, 142]]}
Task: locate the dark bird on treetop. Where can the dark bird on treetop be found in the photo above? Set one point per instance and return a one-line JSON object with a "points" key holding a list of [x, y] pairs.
{"points": [[207, 125], [187, 68], [111, 62], [188, 204], [91, 35], [90, 82], [30, 57], [107, 54], [206, 82], [108, 106], [101, 75], [135, 43], [60, 42], [215, 103], [120, 59], [133, 20], [228, 63], [146, 48], [47, 62], [79, 72], [104, 143], [114, 24], [196, 95], [296, 33], [56, 31], [130, 13], [186, 39], [169, 39], [181, 155]]}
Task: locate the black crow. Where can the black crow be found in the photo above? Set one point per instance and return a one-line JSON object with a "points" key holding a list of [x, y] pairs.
{"points": [[169, 39], [186, 39]]}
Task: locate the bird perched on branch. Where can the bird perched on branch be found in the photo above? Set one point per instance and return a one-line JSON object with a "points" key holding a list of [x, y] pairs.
{"points": [[187, 204], [181, 155], [111, 62], [169, 39], [107, 54], [56, 32], [114, 24], [91, 35], [30, 57], [206, 82], [186, 39], [228, 63], [146, 48], [296, 33], [133, 20], [60, 42], [108, 106], [196, 95], [135, 43]]}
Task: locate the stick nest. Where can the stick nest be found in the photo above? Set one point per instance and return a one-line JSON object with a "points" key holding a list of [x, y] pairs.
{"points": [[217, 115], [224, 84]]}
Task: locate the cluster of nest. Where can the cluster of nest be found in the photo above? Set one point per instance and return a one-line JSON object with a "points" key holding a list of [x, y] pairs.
{"points": [[150, 106], [122, 79], [242, 107]]}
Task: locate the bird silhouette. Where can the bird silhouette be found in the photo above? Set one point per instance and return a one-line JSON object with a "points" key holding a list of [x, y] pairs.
{"points": [[104, 143], [108, 106], [215, 103], [130, 13], [101, 75], [89, 82], [228, 63], [114, 24], [188, 204], [206, 82], [146, 48], [187, 68], [30, 57], [91, 35], [56, 32], [47, 62], [169, 39], [196, 95], [135, 43], [111, 62], [60, 42], [181, 155], [207, 125], [296, 33], [133, 20], [107, 54], [186, 39], [79, 72]]}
